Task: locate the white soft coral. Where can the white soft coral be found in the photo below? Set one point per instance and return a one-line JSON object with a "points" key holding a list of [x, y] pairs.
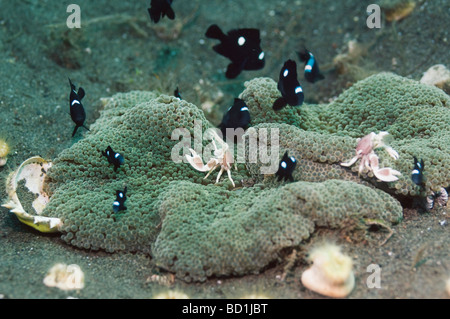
{"points": [[365, 151]]}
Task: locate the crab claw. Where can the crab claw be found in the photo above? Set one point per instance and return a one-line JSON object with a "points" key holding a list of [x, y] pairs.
{"points": [[350, 162], [393, 153], [386, 174], [196, 161]]}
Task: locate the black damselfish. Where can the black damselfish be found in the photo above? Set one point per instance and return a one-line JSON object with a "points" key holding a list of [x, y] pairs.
{"points": [[312, 72], [160, 8], [417, 172], [286, 167], [113, 158], [177, 94], [288, 85], [241, 46], [77, 112], [237, 116], [119, 203]]}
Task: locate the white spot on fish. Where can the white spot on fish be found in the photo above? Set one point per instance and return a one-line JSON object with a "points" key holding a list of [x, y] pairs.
{"points": [[241, 41], [244, 108], [75, 102], [261, 56], [298, 89], [116, 203], [285, 73], [293, 159], [308, 67], [283, 164], [117, 155]]}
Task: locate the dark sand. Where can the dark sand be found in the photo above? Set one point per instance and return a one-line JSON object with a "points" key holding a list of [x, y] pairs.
{"points": [[117, 50]]}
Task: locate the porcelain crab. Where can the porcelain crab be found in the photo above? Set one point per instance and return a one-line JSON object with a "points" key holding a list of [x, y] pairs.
{"points": [[222, 157], [365, 151]]}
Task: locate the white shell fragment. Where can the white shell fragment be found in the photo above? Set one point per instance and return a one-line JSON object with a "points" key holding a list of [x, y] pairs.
{"points": [[331, 273], [437, 75], [65, 277], [33, 171]]}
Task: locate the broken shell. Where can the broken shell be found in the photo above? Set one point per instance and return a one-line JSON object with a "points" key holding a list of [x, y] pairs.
{"points": [[33, 171], [398, 10], [437, 75], [65, 277], [331, 273]]}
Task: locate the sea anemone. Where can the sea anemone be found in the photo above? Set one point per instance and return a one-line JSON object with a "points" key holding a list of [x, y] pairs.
{"points": [[331, 273]]}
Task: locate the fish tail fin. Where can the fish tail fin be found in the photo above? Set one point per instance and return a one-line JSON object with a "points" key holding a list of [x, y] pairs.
{"points": [[154, 16], [303, 55], [233, 70], [71, 84], [215, 32], [170, 13], [75, 130], [81, 93], [279, 104]]}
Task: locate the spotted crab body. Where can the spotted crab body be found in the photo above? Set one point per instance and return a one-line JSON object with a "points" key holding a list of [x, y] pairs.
{"points": [[222, 157], [365, 152]]}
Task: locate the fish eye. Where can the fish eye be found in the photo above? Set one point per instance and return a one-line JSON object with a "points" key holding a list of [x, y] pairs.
{"points": [[283, 164], [261, 56], [298, 89], [244, 108], [285, 73], [241, 41]]}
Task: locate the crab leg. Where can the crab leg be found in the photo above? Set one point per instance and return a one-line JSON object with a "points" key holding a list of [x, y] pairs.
{"points": [[218, 175], [196, 161], [351, 162], [229, 177], [211, 170]]}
